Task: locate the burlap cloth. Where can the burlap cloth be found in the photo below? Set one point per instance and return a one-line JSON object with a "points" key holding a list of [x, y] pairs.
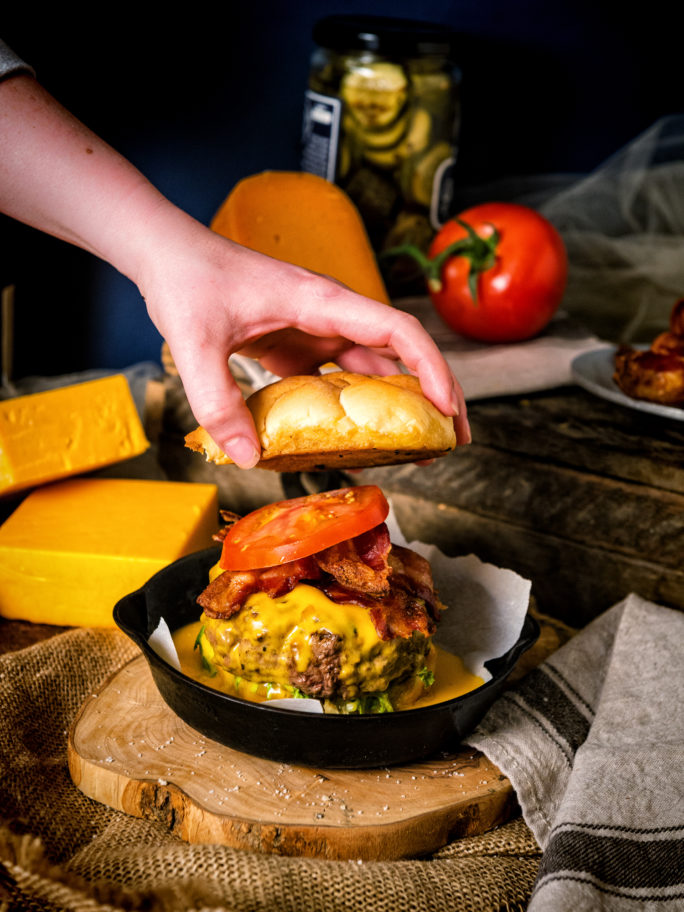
{"points": [[62, 850]]}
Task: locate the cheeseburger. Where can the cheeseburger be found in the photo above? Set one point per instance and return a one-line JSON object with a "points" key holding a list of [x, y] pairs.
{"points": [[311, 599]]}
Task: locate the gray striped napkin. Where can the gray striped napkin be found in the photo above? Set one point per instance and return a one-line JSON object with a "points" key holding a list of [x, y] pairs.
{"points": [[593, 743]]}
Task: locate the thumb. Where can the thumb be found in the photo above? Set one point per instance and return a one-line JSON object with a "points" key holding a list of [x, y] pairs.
{"points": [[218, 405]]}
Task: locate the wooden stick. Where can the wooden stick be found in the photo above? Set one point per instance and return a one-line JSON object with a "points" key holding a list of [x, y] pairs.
{"points": [[7, 339]]}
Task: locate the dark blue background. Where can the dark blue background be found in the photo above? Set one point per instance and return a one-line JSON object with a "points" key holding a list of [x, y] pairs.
{"points": [[199, 99]]}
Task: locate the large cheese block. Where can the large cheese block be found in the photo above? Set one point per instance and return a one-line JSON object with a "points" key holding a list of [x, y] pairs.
{"points": [[306, 220], [67, 431], [72, 549]]}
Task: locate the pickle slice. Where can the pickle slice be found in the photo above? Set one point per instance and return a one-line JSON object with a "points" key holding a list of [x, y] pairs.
{"points": [[375, 93], [422, 174], [416, 140]]}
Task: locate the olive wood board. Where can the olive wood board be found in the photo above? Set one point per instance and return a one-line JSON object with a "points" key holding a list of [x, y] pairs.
{"points": [[129, 751]]}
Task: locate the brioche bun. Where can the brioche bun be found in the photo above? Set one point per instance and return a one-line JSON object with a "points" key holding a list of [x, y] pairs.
{"points": [[340, 420]]}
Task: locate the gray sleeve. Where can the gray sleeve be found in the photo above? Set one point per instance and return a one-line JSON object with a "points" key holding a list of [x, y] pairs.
{"points": [[11, 64]]}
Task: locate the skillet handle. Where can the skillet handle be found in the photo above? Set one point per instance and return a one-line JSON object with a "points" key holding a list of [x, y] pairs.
{"points": [[128, 613], [528, 637]]}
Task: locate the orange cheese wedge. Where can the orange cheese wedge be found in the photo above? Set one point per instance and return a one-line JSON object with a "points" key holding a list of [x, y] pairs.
{"points": [[303, 219], [72, 549], [67, 431]]}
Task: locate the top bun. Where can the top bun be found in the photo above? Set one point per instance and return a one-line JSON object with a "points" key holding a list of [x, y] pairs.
{"points": [[340, 420]]}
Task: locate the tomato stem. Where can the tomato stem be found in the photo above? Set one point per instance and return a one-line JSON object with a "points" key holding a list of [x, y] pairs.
{"points": [[431, 269], [479, 250]]}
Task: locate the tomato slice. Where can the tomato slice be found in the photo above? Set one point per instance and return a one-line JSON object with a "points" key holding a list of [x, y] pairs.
{"points": [[290, 529]]}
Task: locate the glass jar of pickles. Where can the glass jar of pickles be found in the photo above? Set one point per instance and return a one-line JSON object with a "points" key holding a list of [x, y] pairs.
{"points": [[381, 119]]}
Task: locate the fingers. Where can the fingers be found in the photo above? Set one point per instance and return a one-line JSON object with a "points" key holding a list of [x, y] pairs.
{"points": [[290, 351], [360, 360], [361, 335], [331, 310], [218, 405], [461, 424], [404, 335]]}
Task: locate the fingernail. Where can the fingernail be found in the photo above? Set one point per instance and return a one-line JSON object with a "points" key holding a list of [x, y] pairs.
{"points": [[455, 401], [243, 452]]}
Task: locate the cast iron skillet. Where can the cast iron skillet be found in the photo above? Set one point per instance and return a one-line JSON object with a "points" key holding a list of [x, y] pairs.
{"points": [[333, 741]]}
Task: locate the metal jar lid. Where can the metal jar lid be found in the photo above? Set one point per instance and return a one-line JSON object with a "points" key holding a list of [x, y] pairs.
{"points": [[386, 36]]}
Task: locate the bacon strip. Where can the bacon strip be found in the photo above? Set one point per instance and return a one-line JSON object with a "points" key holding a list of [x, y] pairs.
{"points": [[373, 547], [398, 614], [361, 563], [414, 574], [226, 594], [410, 605]]}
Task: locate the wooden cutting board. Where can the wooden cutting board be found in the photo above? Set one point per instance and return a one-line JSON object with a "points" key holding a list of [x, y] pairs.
{"points": [[128, 750]]}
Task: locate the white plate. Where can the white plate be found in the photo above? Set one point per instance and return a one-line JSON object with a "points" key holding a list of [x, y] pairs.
{"points": [[593, 371]]}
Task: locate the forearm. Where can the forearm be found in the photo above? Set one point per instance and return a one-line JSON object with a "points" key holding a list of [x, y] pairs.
{"points": [[58, 176]]}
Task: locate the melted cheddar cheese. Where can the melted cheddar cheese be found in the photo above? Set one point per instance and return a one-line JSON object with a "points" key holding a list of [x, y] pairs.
{"points": [[252, 655], [272, 637]]}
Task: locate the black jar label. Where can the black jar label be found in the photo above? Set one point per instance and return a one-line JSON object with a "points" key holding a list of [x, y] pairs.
{"points": [[321, 134], [441, 205]]}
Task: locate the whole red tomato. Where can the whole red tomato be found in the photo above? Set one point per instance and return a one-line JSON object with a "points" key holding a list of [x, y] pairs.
{"points": [[500, 279]]}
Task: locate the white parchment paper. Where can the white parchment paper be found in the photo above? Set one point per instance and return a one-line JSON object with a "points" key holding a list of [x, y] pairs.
{"points": [[486, 605]]}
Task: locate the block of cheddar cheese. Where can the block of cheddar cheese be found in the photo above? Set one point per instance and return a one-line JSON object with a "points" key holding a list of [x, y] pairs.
{"points": [[72, 549], [67, 431], [306, 220]]}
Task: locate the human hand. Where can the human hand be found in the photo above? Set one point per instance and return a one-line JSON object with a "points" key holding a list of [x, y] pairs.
{"points": [[210, 298]]}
